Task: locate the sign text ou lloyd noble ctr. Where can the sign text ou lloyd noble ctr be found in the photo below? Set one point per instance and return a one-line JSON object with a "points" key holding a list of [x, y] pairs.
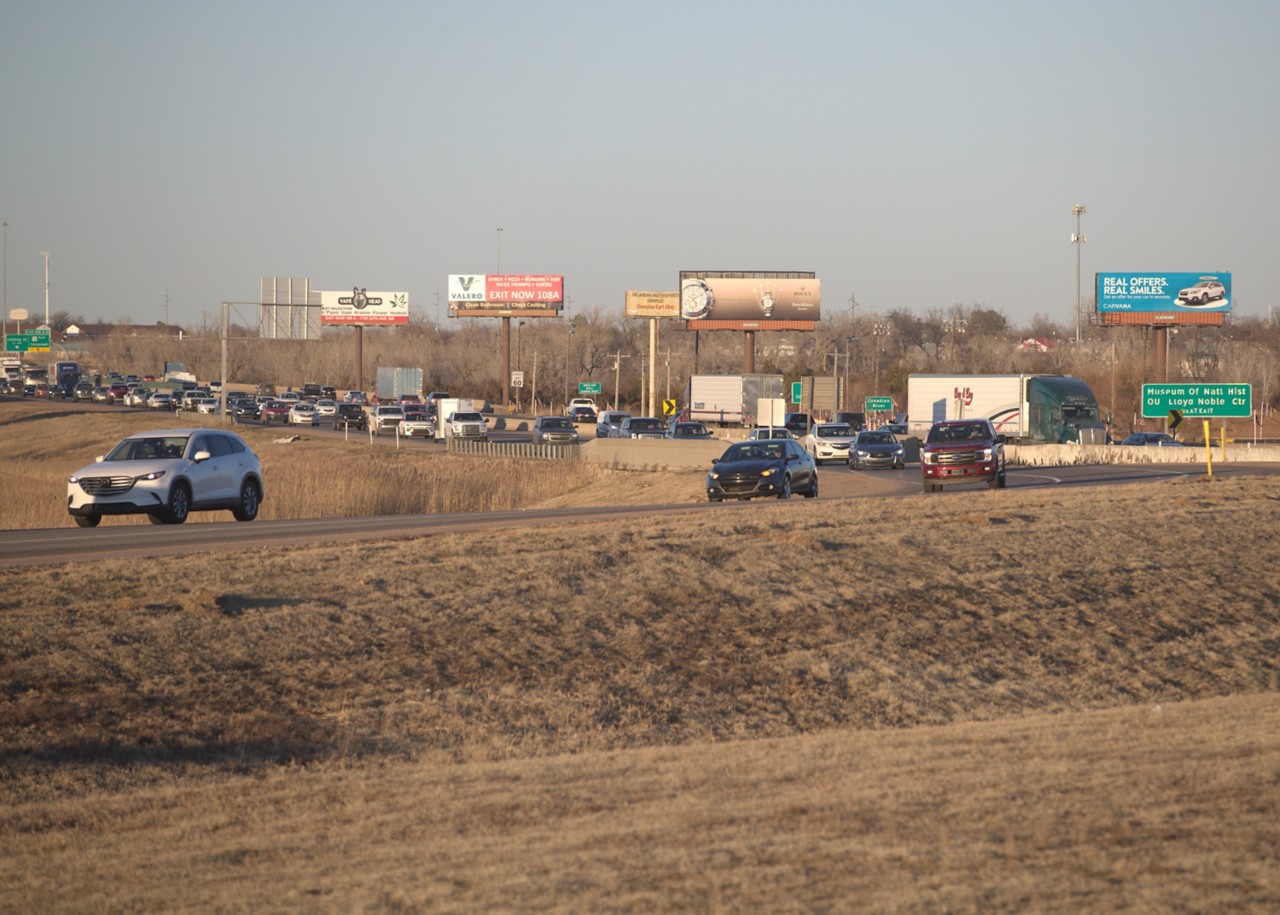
{"points": [[1210, 400]]}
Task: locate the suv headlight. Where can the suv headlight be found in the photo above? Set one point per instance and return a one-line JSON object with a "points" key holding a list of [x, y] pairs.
{"points": [[153, 475]]}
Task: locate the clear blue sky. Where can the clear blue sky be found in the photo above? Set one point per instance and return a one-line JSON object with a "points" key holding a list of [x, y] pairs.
{"points": [[916, 154]]}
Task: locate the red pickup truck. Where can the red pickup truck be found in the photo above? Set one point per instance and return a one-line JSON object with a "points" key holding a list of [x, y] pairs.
{"points": [[963, 451]]}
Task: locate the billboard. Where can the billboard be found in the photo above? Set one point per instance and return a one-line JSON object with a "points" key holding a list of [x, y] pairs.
{"points": [[1144, 292], [653, 304], [505, 292], [359, 306], [761, 298]]}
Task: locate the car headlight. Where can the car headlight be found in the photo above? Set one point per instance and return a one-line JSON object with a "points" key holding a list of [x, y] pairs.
{"points": [[898, 450], [860, 453], [713, 475], [153, 475], [928, 458], [770, 472]]}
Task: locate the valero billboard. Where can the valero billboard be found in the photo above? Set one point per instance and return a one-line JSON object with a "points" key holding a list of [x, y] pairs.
{"points": [[1147, 291], [505, 292]]}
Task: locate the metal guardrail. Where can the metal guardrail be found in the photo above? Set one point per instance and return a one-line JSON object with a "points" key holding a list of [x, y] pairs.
{"points": [[514, 449]]}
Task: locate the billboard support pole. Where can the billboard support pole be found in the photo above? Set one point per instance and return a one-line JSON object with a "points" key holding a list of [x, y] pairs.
{"points": [[359, 357], [748, 352]]}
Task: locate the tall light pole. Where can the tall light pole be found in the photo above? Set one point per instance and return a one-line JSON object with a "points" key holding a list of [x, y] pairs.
{"points": [[6, 276], [573, 326], [498, 271], [1078, 240], [45, 255]]}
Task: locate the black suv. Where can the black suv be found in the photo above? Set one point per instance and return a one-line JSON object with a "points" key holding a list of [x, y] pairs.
{"points": [[350, 416]]}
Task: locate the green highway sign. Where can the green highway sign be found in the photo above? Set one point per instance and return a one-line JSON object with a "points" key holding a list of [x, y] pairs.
{"points": [[877, 404], [32, 341], [796, 388], [1209, 400], [588, 387]]}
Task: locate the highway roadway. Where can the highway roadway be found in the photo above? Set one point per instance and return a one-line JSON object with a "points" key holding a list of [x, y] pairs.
{"points": [[59, 545]]}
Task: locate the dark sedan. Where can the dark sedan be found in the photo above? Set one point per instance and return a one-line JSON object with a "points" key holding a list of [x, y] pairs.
{"points": [[245, 409], [689, 430], [876, 449], [583, 415], [1156, 439], [773, 467]]}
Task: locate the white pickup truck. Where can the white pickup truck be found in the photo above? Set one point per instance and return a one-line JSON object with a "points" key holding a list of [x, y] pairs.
{"points": [[468, 425]]}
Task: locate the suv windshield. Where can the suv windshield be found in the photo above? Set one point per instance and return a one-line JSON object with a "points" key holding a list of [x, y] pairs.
{"points": [[149, 449]]}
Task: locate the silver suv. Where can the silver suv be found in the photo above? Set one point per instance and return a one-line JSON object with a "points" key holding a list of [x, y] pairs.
{"points": [[167, 474], [386, 418]]}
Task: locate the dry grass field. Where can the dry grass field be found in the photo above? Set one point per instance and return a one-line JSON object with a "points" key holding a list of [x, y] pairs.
{"points": [[987, 701]]}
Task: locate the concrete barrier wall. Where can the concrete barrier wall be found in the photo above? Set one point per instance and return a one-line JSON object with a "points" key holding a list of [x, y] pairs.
{"points": [[653, 454], [1057, 455]]}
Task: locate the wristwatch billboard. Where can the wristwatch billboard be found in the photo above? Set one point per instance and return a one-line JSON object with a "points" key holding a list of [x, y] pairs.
{"points": [[695, 299]]}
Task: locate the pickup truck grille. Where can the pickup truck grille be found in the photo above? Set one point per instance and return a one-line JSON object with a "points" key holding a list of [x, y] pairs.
{"points": [[106, 486], [953, 458]]}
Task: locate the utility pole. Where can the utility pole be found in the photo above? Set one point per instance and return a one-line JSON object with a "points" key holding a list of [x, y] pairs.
{"points": [[1078, 239], [45, 255], [617, 375]]}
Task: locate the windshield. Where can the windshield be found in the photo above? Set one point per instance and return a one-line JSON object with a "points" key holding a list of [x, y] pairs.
{"points": [[467, 418], [149, 449], [755, 451], [556, 424], [959, 432], [876, 438], [834, 429], [646, 424]]}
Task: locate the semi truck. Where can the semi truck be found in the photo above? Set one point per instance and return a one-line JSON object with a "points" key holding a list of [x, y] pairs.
{"points": [[1025, 409], [730, 400]]}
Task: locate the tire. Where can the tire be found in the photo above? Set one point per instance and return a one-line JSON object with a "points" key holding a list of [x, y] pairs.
{"points": [[179, 506], [88, 520], [786, 488], [250, 501], [812, 491], [713, 498], [930, 487]]}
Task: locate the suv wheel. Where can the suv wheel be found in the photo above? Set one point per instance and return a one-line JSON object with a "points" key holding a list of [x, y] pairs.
{"points": [[250, 500], [179, 505], [88, 520]]}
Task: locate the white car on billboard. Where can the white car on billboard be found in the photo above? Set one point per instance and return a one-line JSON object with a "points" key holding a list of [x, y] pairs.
{"points": [[1205, 292]]}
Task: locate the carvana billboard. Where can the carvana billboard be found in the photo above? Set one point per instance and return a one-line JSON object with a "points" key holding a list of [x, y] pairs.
{"points": [[1164, 292]]}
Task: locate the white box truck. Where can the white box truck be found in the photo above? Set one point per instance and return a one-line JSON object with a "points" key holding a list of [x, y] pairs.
{"points": [[730, 400], [1027, 409]]}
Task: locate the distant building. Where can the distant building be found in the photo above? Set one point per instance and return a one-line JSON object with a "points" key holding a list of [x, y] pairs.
{"points": [[88, 333], [1035, 345]]}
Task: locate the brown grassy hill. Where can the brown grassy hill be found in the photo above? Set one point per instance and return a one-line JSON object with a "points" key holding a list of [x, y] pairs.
{"points": [[1009, 700]]}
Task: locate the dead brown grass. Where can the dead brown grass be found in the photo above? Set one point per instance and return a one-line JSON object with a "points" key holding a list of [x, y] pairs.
{"points": [[994, 700]]}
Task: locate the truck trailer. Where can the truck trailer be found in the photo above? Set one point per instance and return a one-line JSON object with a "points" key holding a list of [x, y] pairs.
{"points": [[1026, 409], [730, 400]]}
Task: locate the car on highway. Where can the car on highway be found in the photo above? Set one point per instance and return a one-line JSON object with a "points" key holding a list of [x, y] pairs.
{"points": [[688, 430], [274, 411], [386, 417], [963, 451], [160, 400], [416, 422], [325, 408], [304, 413], [579, 402], [83, 391], [765, 432], [468, 424], [245, 409], [829, 441], [641, 427], [876, 449], [585, 416], [553, 430], [167, 474], [773, 467], [359, 397], [798, 424], [350, 416], [608, 421], [207, 405], [116, 391], [1153, 439]]}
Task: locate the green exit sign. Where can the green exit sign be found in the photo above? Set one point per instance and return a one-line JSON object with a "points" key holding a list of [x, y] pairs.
{"points": [[877, 404], [1210, 400], [30, 341], [588, 387]]}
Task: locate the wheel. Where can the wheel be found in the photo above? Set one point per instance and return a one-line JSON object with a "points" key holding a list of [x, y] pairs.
{"points": [[250, 499], [88, 520], [930, 487], [786, 488], [812, 491], [1001, 482], [179, 505], [711, 498]]}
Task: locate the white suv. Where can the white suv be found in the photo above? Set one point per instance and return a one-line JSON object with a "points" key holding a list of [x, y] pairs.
{"points": [[1202, 293], [167, 474], [386, 417]]}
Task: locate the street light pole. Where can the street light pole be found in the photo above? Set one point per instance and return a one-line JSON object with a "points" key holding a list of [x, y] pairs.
{"points": [[45, 255], [6, 276], [1078, 240]]}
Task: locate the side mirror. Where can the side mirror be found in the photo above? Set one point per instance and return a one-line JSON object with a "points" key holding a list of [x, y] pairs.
{"points": [[1000, 438], [201, 456]]}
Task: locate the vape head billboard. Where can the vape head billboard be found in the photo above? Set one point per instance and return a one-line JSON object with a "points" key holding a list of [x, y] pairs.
{"points": [[1147, 291], [506, 292], [360, 306], [706, 297]]}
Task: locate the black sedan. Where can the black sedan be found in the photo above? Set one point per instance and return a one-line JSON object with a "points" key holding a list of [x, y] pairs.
{"points": [[876, 449], [773, 467]]}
